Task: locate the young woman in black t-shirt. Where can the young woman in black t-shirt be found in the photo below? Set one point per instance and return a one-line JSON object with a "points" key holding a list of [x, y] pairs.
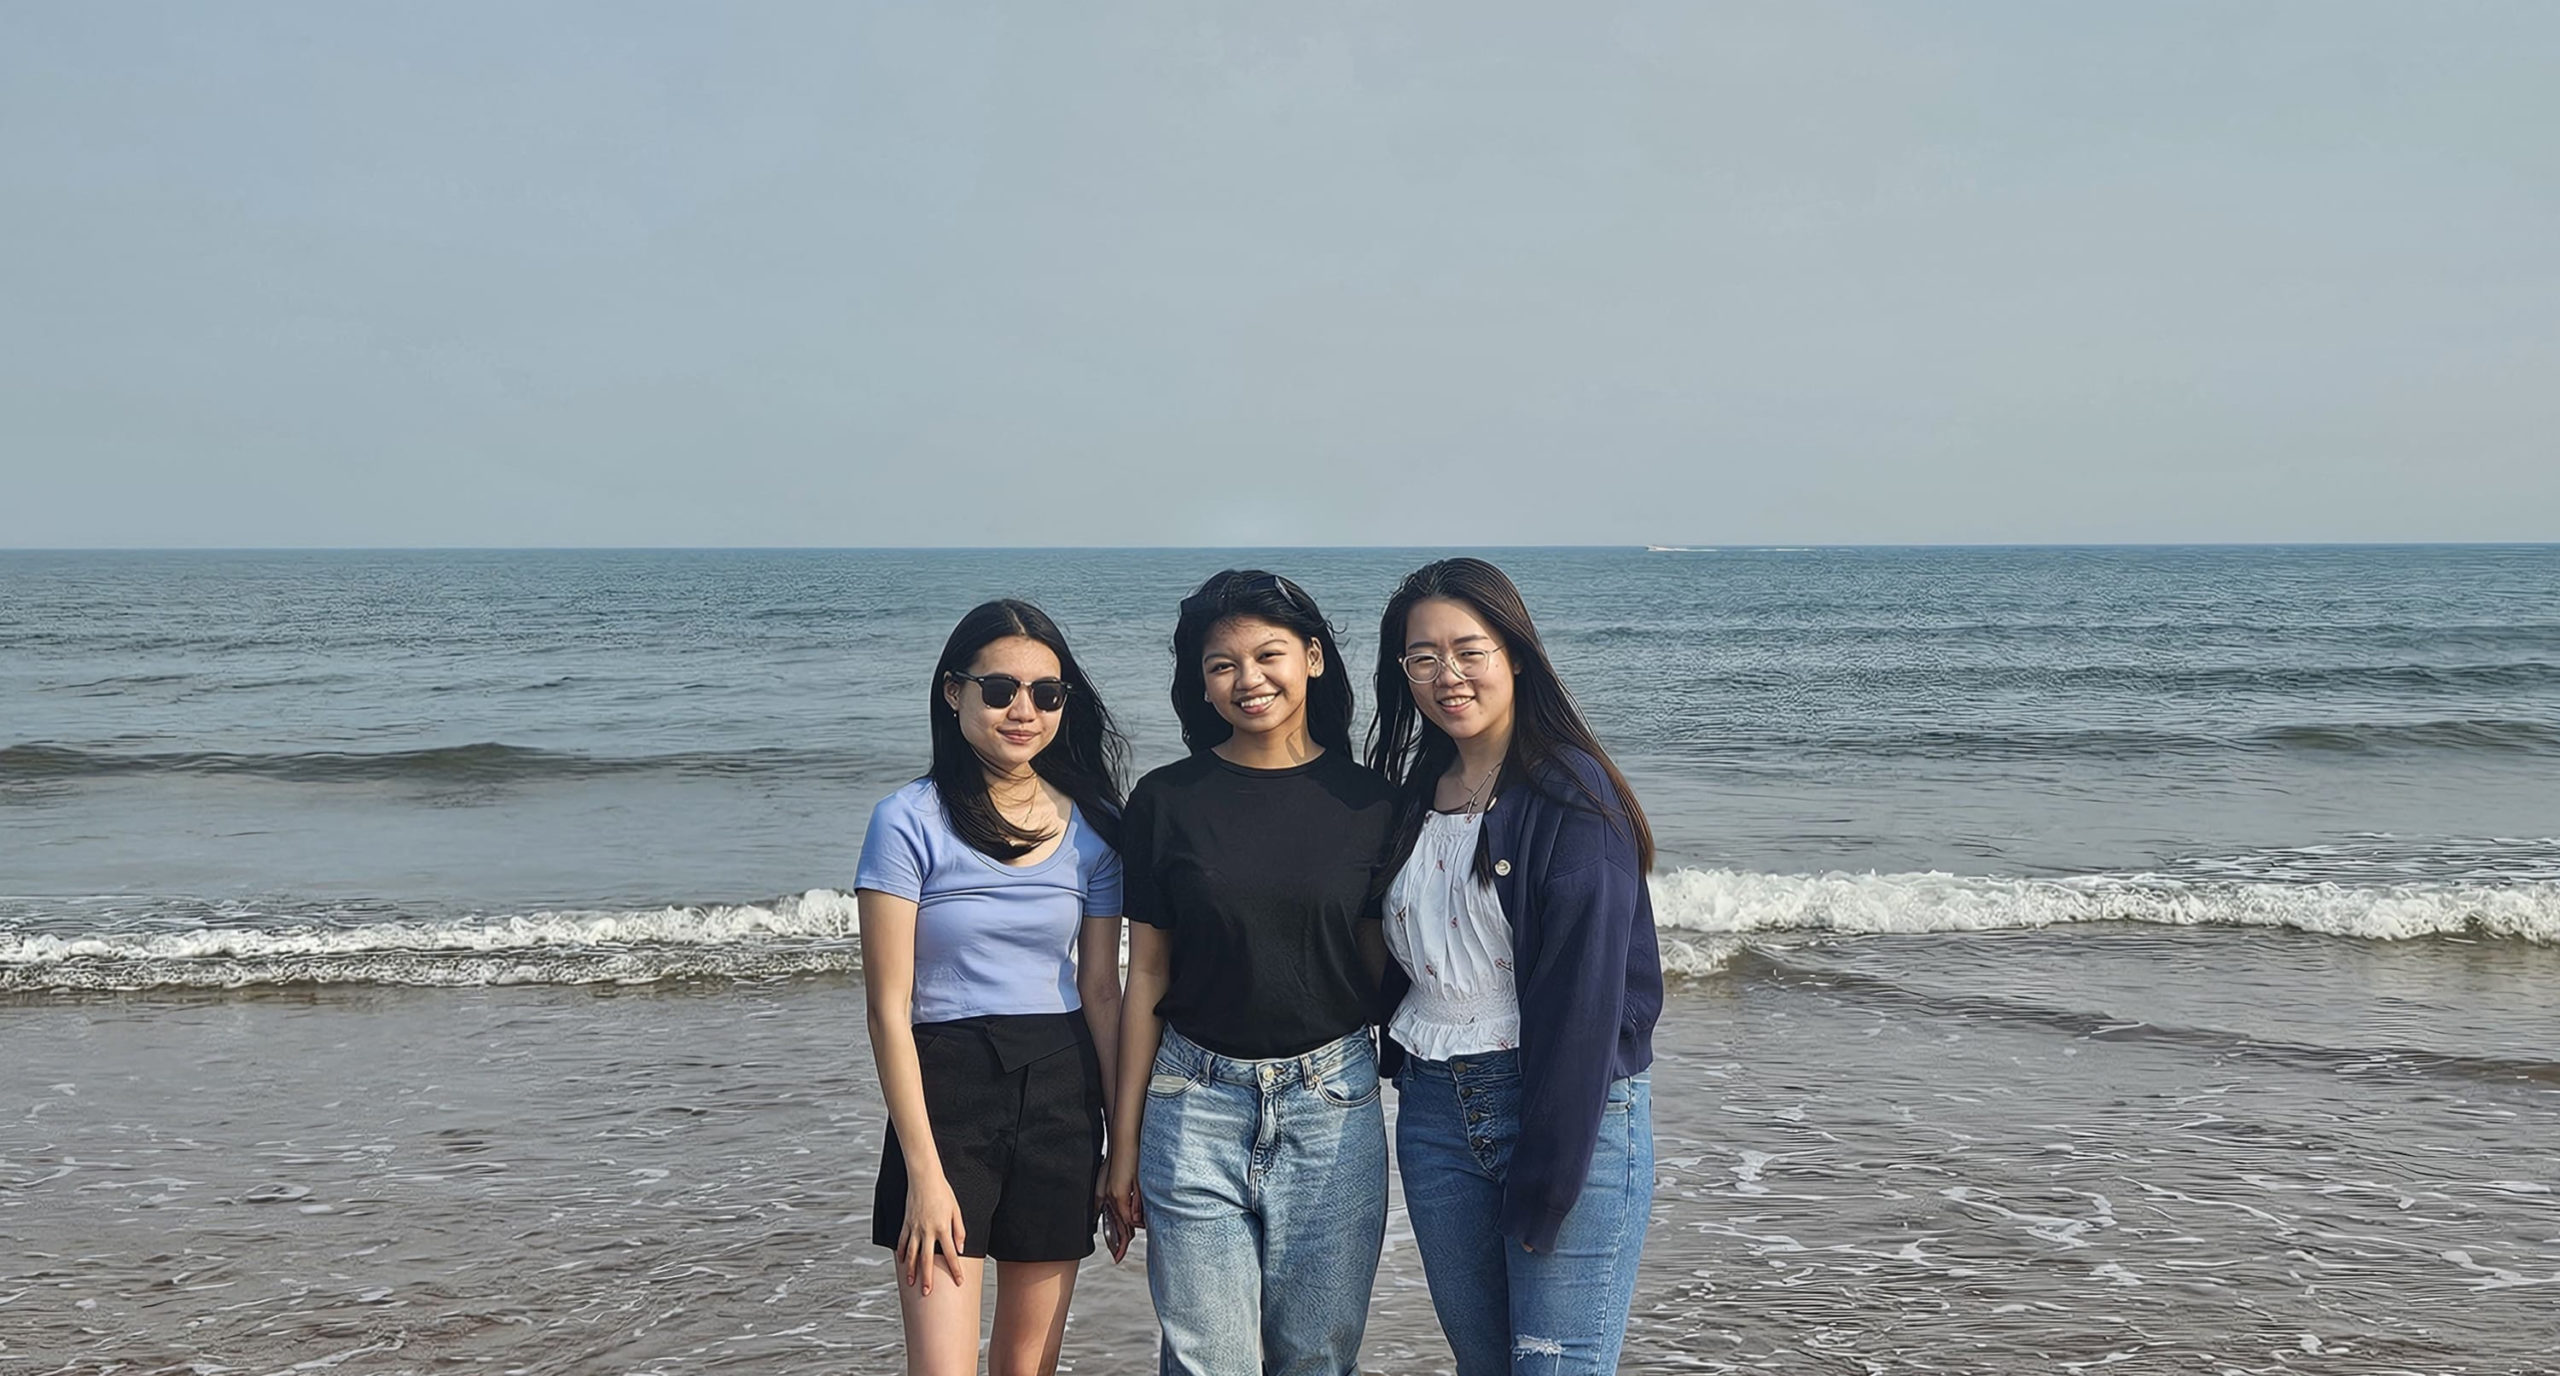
{"points": [[1247, 1077]]}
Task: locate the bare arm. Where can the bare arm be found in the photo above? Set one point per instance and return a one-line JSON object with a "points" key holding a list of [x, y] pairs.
{"points": [[1098, 984], [1141, 1031], [889, 985]]}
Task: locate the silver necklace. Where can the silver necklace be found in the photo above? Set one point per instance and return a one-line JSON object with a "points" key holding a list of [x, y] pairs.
{"points": [[1032, 806]]}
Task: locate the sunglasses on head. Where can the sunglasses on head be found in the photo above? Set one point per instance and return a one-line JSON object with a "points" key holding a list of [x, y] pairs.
{"points": [[1235, 590], [997, 690]]}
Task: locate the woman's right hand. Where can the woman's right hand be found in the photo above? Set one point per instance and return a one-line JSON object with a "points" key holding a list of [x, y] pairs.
{"points": [[932, 1225]]}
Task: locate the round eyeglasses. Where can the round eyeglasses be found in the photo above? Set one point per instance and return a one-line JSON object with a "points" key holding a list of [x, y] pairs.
{"points": [[1423, 666]]}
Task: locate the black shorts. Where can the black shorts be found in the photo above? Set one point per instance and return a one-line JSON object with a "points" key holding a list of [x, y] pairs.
{"points": [[1016, 1107]]}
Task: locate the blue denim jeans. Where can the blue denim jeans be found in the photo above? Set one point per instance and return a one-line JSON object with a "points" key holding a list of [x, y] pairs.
{"points": [[1265, 1186], [1507, 1309]]}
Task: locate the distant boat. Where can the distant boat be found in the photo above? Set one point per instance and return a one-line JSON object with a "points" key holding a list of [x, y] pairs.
{"points": [[1673, 549]]}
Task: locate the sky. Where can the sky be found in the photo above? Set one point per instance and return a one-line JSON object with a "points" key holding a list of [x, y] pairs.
{"points": [[1484, 273]]}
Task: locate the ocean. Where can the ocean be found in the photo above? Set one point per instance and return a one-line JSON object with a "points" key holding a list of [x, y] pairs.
{"points": [[2139, 959]]}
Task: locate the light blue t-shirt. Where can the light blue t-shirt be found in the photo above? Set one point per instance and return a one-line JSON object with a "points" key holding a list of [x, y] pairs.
{"points": [[990, 937]]}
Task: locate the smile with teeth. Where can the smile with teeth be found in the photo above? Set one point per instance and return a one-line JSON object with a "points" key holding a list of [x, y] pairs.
{"points": [[1256, 702]]}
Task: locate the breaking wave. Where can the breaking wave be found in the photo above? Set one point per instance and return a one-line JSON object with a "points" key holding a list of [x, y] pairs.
{"points": [[1706, 917], [236, 947]]}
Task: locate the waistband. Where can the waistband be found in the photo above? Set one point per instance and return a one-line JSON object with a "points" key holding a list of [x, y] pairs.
{"points": [[1311, 1067], [1015, 1039], [1474, 1065]]}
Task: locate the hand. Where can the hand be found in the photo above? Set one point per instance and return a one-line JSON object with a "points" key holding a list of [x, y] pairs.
{"points": [[932, 1225], [1120, 1196], [1114, 1237]]}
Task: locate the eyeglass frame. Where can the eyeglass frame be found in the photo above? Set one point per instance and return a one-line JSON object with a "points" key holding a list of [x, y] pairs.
{"points": [[1451, 659], [987, 689]]}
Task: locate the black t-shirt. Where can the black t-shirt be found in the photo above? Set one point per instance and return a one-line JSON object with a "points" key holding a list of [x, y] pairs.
{"points": [[1262, 877]]}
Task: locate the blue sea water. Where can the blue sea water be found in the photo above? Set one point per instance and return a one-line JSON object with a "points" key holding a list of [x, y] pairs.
{"points": [[233, 767]]}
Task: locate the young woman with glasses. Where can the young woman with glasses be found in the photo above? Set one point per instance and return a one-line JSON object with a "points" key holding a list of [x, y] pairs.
{"points": [[989, 895], [1525, 985], [1247, 1077]]}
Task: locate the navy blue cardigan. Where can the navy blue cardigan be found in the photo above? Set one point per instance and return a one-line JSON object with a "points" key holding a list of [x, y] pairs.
{"points": [[1588, 969]]}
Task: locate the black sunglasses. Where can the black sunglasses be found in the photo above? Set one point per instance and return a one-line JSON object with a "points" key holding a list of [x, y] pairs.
{"points": [[997, 690]]}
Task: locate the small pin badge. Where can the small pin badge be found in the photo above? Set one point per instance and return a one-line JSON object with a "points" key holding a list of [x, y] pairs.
{"points": [[1502, 867]]}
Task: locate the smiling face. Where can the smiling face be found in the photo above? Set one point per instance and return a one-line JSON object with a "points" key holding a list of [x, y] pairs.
{"points": [[1008, 737], [1256, 673], [1451, 632]]}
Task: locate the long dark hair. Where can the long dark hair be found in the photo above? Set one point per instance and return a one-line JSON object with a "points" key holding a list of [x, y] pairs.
{"points": [[1545, 725], [1085, 759], [1252, 594]]}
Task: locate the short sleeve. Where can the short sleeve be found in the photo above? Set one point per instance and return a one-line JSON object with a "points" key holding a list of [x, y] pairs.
{"points": [[1139, 900], [1102, 885], [893, 849]]}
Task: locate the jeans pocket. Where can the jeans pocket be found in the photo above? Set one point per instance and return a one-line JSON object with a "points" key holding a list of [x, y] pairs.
{"points": [[1353, 1086], [1622, 1096], [1169, 1079]]}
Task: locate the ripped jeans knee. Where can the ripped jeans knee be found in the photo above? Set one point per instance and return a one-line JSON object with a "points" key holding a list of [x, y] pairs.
{"points": [[1508, 1311], [1532, 1353]]}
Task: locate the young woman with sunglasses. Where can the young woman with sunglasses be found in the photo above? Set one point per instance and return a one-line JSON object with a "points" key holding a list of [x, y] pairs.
{"points": [[989, 895], [1526, 982], [1247, 1077]]}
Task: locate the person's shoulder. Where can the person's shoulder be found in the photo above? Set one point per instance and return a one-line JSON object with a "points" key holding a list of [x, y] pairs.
{"points": [[902, 845], [1099, 820], [1179, 774], [1575, 795], [1095, 848], [1145, 798], [1575, 777], [1587, 768], [1356, 781], [913, 806]]}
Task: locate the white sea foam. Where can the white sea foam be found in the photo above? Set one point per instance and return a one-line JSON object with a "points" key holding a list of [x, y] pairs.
{"points": [[819, 913], [805, 932], [1706, 918], [1733, 903]]}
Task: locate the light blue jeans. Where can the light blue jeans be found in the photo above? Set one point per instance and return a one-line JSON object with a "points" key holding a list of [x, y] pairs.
{"points": [[1265, 1185], [1507, 1309]]}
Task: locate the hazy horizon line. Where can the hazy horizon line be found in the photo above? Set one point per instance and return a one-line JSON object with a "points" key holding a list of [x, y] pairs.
{"points": [[1714, 547]]}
